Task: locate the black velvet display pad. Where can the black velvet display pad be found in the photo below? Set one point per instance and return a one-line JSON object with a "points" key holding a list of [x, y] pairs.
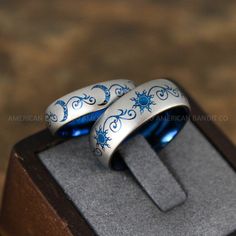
{"points": [[114, 203]]}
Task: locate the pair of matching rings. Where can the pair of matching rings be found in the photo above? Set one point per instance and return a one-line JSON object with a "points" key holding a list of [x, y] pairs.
{"points": [[112, 112]]}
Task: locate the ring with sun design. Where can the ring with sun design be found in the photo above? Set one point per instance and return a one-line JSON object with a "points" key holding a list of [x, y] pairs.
{"points": [[156, 109], [74, 114]]}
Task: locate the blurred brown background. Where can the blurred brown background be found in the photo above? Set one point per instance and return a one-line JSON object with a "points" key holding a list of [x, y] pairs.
{"points": [[49, 48]]}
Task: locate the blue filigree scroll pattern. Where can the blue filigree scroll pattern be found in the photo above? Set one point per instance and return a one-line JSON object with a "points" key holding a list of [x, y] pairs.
{"points": [[120, 90], [77, 102], [50, 117], [114, 124], [144, 99]]}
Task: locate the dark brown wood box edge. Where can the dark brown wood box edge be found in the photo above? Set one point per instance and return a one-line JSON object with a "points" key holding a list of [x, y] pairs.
{"points": [[34, 204]]}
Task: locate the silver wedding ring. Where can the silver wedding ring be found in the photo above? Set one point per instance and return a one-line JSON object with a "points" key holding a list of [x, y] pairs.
{"points": [[157, 109], [74, 113]]}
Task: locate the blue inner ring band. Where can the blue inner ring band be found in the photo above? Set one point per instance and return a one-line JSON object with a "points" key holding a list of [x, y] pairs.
{"points": [[80, 126], [165, 126]]}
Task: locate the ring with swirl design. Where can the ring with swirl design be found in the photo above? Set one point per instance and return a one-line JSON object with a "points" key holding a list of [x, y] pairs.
{"points": [[157, 109], [74, 114]]}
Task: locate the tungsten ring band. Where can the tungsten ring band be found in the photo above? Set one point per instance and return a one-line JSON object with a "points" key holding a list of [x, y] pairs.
{"points": [[74, 114], [157, 109]]}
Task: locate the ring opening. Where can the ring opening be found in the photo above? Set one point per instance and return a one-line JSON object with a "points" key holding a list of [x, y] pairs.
{"points": [[159, 131], [80, 126], [164, 127]]}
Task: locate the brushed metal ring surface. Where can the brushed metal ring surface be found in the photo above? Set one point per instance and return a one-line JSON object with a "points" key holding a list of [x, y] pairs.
{"points": [[157, 109], [71, 114]]}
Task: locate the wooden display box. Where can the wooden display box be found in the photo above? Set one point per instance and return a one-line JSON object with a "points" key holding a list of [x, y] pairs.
{"points": [[33, 202]]}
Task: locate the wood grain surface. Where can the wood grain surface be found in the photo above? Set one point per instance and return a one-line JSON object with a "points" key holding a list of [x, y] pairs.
{"points": [[49, 48]]}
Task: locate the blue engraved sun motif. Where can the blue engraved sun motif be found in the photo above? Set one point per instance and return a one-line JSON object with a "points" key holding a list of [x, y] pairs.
{"points": [[101, 138], [143, 101]]}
